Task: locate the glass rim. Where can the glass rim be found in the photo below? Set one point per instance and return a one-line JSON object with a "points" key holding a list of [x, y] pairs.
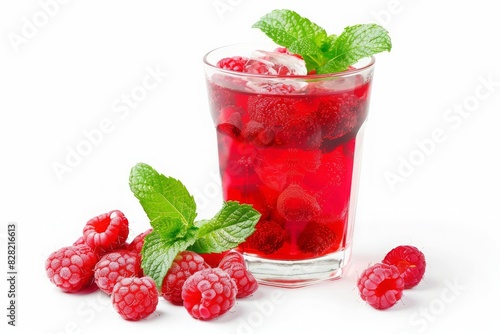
{"points": [[355, 71]]}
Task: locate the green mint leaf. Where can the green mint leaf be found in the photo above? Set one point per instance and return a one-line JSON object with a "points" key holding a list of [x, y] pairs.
{"points": [[310, 51], [355, 42], [168, 229], [162, 196], [323, 53], [328, 44], [285, 27], [230, 227], [158, 253]]}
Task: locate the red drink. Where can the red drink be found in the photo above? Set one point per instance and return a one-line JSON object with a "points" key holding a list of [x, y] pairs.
{"points": [[287, 146]]}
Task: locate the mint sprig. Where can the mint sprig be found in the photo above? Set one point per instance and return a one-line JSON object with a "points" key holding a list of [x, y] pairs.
{"points": [[230, 227], [172, 212], [323, 53]]}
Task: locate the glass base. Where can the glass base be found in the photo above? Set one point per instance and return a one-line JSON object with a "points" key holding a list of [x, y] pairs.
{"points": [[300, 273]]}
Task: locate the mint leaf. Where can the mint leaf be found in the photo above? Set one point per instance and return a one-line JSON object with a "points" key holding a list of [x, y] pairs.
{"points": [[285, 27], [162, 196], [355, 43], [158, 254], [323, 53], [168, 229], [230, 227], [310, 51]]}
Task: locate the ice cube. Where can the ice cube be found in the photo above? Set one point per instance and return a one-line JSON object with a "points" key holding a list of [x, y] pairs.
{"points": [[275, 63], [296, 204]]}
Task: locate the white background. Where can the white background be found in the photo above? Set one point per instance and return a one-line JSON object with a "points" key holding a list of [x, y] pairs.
{"points": [[64, 78]]}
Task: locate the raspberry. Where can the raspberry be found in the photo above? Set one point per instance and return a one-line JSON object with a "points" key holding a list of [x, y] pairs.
{"points": [[71, 268], [316, 238], [185, 264], [381, 285], [257, 134], [229, 122], [338, 115], [410, 261], [234, 264], [231, 258], [135, 298], [106, 232], [235, 63], [80, 241], [112, 267], [138, 242], [268, 237], [213, 259], [296, 204], [209, 293], [271, 111]]}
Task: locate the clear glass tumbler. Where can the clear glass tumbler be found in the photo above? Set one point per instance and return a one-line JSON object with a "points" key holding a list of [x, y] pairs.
{"points": [[291, 146]]}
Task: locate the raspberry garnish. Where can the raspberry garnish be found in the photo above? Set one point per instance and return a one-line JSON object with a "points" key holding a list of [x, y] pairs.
{"points": [[106, 232], [135, 298], [114, 266], [316, 238], [185, 264], [296, 204], [381, 285], [410, 261], [235, 63], [71, 268], [268, 237], [209, 293], [234, 264]]}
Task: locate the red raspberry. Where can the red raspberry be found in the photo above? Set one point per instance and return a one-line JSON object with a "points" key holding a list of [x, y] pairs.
{"points": [[112, 267], [138, 242], [411, 264], [135, 298], [296, 204], [213, 259], [272, 111], [338, 115], [106, 232], [234, 264], [185, 264], [229, 122], [381, 285], [316, 238], [209, 293], [80, 241], [236, 63], [268, 237], [231, 258], [71, 268], [257, 134]]}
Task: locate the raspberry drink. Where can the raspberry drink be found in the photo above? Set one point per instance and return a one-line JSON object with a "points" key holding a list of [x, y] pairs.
{"points": [[289, 121], [287, 146]]}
